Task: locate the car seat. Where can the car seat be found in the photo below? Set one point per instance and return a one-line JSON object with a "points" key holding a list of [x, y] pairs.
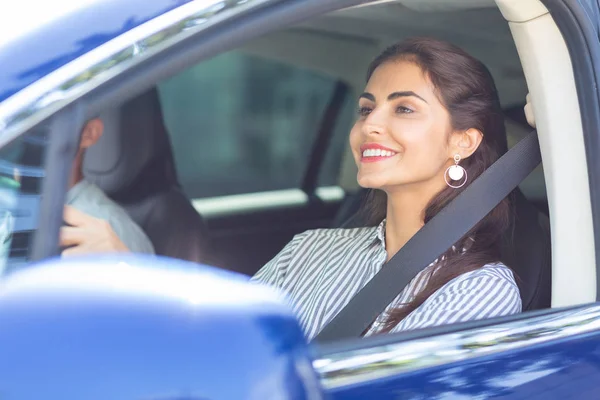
{"points": [[133, 164]]}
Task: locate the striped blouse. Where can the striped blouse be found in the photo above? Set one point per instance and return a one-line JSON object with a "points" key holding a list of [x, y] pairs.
{"points": [[321, 270]]}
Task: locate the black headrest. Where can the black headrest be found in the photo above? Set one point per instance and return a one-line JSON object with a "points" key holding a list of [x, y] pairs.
{"points": [[135, 142]]}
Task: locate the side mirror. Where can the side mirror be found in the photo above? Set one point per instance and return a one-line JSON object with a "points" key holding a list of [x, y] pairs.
{"points": [[147, 328]]}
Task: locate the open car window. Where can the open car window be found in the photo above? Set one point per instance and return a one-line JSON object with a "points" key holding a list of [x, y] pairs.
{"points": [[247, 122]]}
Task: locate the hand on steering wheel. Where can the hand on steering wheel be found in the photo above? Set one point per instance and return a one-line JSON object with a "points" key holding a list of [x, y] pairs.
{"points": [[87, 235]]}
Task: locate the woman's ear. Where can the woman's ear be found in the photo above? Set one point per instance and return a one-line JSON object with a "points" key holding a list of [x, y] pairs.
{"points": [[465, 143]]}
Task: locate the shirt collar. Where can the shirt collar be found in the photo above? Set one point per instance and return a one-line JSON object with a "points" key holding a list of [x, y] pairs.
{"points": [[379, 233]]}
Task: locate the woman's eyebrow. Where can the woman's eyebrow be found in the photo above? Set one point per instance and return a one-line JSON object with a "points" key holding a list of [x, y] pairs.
{"points": [[392, 96], [367, 96], [395, 95]]}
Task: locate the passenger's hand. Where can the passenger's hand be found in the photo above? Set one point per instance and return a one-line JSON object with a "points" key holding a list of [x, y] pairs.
{"points": [[87, 235]]}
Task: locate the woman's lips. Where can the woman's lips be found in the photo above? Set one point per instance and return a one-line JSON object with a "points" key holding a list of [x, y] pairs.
{"points": [[372, 152], [375, 158]]}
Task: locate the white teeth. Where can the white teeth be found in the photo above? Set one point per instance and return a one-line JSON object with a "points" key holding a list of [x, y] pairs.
{"points": [[377, 153]]}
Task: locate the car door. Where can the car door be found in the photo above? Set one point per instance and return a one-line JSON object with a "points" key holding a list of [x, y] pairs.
{"points": [[514, 356], [534, 356]]}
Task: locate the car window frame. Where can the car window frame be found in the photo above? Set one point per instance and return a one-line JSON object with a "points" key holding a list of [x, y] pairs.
{"points": [[580, 34]]}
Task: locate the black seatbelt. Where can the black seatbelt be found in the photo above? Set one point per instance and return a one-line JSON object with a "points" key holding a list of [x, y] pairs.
{"points": [[434, 238]]}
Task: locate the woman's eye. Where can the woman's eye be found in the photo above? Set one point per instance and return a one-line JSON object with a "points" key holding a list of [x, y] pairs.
{"points": [[404, 110], [364, 111]]}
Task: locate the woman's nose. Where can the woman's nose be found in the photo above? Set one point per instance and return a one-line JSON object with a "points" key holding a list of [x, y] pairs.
{"points": [[374, 124]]}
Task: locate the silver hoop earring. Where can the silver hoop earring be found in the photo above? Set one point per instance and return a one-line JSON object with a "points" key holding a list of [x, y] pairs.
{"points": [[455, 173]]}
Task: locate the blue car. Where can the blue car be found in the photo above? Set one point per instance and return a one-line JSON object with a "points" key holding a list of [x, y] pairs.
{"points": [[225, 134]]}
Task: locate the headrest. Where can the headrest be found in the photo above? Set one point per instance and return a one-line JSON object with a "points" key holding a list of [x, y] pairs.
{"points": [[134, 135]]}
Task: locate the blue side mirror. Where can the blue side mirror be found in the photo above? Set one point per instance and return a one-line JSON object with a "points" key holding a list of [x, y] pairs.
{"points": [[133, 327]]}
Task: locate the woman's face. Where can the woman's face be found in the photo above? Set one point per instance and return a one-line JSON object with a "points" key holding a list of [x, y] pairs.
{"points": [[401, 136]]}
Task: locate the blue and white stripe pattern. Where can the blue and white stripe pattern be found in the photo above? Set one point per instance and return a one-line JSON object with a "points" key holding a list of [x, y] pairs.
{"points": [[321, 270]]}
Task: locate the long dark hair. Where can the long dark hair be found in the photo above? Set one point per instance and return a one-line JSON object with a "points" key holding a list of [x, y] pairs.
{"points": [[467, 90]]}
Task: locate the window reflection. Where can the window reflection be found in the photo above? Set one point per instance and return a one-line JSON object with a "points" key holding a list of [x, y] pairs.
{"points": [[243, 124]]}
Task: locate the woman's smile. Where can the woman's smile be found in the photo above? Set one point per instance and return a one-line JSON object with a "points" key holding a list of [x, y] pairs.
{"points": [[373, 152]]}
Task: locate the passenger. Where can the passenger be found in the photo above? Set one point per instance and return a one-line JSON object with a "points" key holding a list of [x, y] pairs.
{"points": [[428, 124], [89, 211]]}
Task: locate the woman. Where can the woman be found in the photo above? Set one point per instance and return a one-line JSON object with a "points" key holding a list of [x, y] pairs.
{"points": [[428, 109], [429, 123]]}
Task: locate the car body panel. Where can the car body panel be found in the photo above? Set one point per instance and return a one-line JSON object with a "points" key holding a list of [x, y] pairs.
{"points": [[513, 357], [70, 34], [566, 369]]}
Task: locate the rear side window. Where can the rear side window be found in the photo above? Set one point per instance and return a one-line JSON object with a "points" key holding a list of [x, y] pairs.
{"points": [[21, 174], [245, 124]]}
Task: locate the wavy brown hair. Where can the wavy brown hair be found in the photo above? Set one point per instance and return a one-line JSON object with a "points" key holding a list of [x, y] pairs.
{"points": [[467, 90]]}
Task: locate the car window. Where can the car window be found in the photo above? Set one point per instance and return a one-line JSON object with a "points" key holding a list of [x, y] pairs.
{"points": [[21, 174], [244, 124]]}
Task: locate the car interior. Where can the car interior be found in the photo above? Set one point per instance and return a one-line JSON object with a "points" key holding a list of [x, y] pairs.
{"points": [[135, 164], [225, 161]]}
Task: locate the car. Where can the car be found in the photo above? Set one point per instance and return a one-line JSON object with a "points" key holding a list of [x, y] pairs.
{"points": [[226, 127]]}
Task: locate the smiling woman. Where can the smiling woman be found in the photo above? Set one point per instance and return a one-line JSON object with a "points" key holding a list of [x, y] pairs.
{"points": [[460, 101], [430, 113]]}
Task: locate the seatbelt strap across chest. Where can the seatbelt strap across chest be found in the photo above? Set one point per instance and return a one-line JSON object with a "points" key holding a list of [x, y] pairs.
{"points": [[434, 238]]}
